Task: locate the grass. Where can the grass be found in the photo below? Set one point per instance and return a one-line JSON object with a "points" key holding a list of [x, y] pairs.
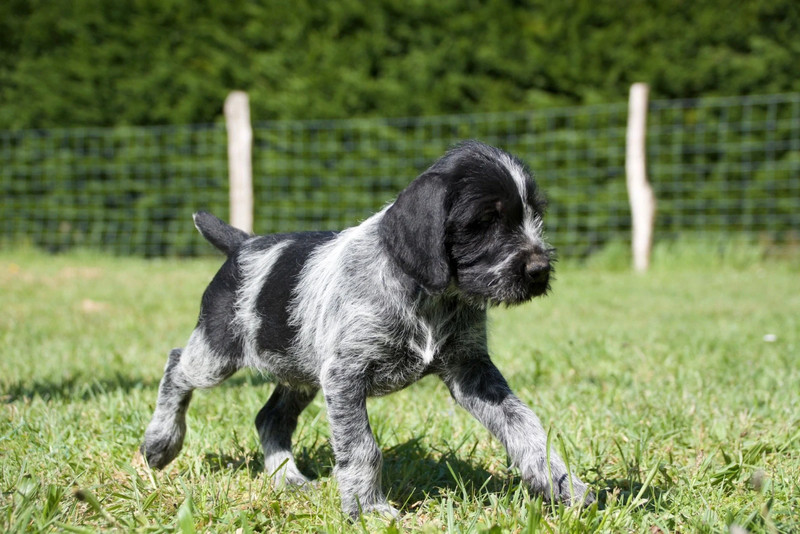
{"points": [[676, 394]]}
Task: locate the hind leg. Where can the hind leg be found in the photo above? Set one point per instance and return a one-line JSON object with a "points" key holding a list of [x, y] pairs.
{"points": [[187, 369], [276, 423]]}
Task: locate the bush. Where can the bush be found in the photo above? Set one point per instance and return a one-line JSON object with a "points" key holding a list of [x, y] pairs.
{"points": [[99, 63]]}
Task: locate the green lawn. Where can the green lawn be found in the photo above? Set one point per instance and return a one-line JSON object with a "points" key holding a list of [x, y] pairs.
{"points": [[676, 394]]}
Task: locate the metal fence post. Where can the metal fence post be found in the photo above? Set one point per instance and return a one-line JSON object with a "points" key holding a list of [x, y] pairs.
{"points": [[640, 194], [240, 165]]}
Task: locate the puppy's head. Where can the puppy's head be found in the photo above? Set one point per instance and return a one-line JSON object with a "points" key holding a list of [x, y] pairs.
{"points": [[474, 220]]}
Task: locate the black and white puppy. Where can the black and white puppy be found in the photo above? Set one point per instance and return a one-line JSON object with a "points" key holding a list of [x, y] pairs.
{"points": [[370, 310]]}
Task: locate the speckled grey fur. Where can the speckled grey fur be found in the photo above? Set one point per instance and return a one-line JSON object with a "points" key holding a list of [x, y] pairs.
{"points": [[369, 311]]}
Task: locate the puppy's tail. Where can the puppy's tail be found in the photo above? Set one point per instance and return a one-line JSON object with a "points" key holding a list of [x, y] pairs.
{"points": [[219, 233]]}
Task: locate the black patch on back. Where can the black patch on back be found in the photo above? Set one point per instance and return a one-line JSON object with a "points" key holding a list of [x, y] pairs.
{"points": [[274, 333]]}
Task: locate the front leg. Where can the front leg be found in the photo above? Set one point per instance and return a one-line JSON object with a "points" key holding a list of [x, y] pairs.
{"points": [[358, 458], [478, 386]]}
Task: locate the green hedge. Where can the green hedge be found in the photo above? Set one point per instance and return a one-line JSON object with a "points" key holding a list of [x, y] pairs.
{"points": [[146, 62]]}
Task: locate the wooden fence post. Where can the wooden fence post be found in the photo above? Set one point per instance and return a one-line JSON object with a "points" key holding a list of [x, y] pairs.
{"points": [[640, 194], [240, 165]]}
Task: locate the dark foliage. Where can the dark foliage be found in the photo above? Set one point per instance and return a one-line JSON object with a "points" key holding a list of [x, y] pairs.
{"points": [[104, 63]]}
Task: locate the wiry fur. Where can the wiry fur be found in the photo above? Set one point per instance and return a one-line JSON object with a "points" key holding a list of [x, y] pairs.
{"points": [[369, 311]]}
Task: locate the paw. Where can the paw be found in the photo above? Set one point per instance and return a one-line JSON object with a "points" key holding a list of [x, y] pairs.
{"points": [[160, 447], [284, 473], [383, 509], [284, 479], [573, 492], [581, 495], [159, 454]]}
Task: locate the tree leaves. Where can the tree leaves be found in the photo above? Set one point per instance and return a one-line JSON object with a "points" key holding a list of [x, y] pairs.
{"points": [[103, 64]]}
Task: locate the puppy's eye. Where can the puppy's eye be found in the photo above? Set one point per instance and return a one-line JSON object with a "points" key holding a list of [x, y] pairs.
{"points": [[492, 214], [489, 217]]}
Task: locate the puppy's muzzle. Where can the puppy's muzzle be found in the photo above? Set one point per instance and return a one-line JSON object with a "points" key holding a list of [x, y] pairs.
{"points": [[537, 270]]}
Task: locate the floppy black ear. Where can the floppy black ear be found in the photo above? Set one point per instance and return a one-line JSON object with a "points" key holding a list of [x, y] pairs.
{"points": [[413, 229]]}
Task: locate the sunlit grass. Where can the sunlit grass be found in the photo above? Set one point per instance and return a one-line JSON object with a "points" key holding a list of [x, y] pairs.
{"points": [[676, 394]]}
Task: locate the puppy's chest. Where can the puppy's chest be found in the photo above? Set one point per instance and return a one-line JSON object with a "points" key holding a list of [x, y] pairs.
{"points": [[423, 346]]}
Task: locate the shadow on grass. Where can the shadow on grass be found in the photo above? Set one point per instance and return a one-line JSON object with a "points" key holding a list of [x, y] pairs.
{"points": [[314, 462], [84, 387], [79, 387], [411, 472], [253, 463]]}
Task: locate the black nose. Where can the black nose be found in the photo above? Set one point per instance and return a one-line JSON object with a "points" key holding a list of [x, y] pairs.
{"points": [[537, 270]]}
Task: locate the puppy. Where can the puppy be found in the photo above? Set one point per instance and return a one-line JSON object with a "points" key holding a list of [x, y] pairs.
{"points": [[370, 310]]}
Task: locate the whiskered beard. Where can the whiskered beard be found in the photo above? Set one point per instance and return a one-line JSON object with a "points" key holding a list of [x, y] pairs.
{"points": [[515, 298], [502, 296]]}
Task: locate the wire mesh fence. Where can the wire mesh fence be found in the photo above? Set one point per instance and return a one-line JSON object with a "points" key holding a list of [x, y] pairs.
{"points": [[727, 165], [723, 165], [332, 174], [126, 190]]}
